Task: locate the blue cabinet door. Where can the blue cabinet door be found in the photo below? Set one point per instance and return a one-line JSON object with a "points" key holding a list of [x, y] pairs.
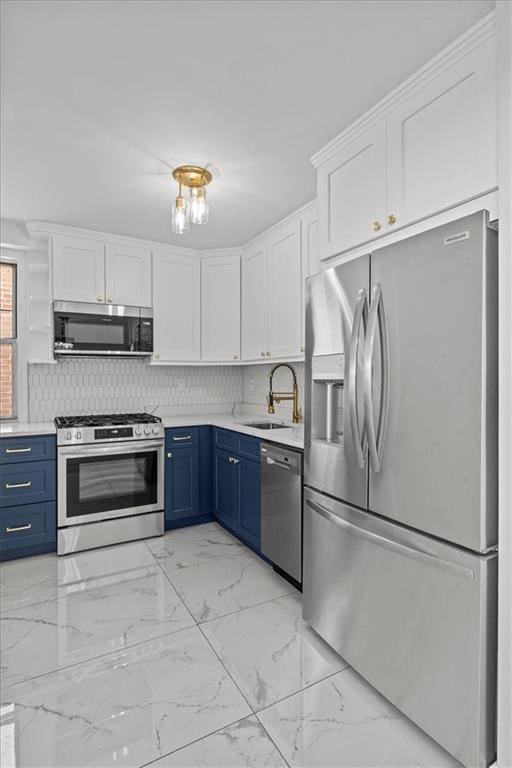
{"points": [[249, 501], [182, 483], [226, 488]]}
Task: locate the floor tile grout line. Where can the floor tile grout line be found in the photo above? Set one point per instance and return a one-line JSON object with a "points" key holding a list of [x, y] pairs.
{"points": [[176, 591], [245, 608], [206, 735], [98, 657], [296, 693]]}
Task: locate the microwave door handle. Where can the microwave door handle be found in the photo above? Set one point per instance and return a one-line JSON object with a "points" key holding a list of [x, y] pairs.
{"points": [[376, 436], [360, 316]]}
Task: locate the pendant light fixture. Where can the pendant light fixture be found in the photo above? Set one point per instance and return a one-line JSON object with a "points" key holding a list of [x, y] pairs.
{"points": [[196, 209]]}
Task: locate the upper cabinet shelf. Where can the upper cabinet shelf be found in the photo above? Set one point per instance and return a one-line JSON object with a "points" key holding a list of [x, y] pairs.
{"points": [[431, 145]]}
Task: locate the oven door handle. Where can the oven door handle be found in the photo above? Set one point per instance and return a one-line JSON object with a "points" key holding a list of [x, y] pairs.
{"points": [[77, 451]]}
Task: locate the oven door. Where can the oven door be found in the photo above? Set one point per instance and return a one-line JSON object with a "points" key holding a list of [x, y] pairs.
{"points": [[101, 482]]}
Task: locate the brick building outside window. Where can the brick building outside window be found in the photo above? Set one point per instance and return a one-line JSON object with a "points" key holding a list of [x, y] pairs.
{"points": [[8, 334]]}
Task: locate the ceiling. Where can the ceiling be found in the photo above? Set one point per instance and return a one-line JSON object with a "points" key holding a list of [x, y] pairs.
{"points": [[102, 98]]}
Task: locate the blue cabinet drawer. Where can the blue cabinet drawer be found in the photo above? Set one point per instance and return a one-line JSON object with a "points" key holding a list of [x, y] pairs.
{"points": [[14, 450], [28, 530], [226, 440], [27, 483], [249, 447], [183, 436]]}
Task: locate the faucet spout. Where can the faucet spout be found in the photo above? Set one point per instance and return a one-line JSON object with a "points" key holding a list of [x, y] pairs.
{"points": [[277, 397]]}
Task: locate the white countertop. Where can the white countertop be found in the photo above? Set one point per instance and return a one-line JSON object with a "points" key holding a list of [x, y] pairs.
{"points": [[293, 436], [22, 428]]}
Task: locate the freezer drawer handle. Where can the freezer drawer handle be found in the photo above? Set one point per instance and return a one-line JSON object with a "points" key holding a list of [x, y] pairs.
{"points": [[360, 316], [412, 552], [376, 438]]}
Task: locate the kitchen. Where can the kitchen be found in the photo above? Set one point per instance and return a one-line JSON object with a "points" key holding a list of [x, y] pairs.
{"points": [[255, 482]]}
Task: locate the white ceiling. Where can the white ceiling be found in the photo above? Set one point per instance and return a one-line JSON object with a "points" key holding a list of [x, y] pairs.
{"points": [[101, 98]]}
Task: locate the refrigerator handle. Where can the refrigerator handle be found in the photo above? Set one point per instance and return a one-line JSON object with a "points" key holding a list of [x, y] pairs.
{"points": [[411, 551], [376, 437], [360, 316]]}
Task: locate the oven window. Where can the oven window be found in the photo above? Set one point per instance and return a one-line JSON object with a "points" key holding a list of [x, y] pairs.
{"points": [[111, 483]]}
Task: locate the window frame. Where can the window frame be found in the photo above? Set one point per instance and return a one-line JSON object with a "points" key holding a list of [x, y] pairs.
{"points": [[17, 256]]}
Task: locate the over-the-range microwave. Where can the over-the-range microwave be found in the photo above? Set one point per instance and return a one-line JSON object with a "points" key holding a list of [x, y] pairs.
{"points": [[90, 329]]}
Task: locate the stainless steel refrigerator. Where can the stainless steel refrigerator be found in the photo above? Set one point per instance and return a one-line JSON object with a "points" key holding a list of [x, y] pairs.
{"points": [[400, 500]]}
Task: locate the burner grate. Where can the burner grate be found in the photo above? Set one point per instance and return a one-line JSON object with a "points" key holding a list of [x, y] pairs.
{"points": [[106, 420]]}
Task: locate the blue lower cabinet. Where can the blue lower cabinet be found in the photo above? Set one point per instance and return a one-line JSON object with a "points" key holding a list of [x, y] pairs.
{"points": [[29, 529], [181, 483], [238, 496], [249, 501], [188, 476], [225, 481], [27, 482]]}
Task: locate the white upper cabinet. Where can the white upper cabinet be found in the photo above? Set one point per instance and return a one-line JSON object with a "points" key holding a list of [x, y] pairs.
{"points": [[254, 302], [78, 270], [105, 273], [177, 307], [284, 271], [220, 308], [311, 263], [441, 145], [128, 275], [352, 192], [429, 146]]}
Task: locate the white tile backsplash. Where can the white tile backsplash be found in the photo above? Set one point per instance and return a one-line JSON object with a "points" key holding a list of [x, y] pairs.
{"points": [[256, 385], [114, 386]]}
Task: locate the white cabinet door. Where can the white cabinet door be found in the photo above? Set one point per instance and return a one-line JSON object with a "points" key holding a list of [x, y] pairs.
{"points": [[442, 140], [352, 193], [220, 308], [128, 275], [78, 270], [311, 263], [254, 302], [177, 307], [284, 269]]}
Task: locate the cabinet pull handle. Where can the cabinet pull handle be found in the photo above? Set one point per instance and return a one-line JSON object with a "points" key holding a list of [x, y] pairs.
{"points": [[232, 460], [376, 225], [100, 298], [169, 455], [19, 485], [19, 528], [156, 356], [268, 354], [18, 450], [391, 218], [109, 299], [263, 354], [179, 439]]}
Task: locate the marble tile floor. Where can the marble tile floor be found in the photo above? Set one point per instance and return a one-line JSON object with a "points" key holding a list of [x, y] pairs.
{"points": [[182, 651]]}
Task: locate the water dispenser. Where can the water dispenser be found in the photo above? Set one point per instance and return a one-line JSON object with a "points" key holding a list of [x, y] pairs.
{"points": [[328, 394]]}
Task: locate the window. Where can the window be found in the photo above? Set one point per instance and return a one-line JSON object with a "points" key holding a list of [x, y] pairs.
{"points": [[8, 336]]}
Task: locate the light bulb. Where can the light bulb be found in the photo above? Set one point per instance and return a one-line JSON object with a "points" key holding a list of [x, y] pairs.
{"points": [[199, 208], [180, 216]]}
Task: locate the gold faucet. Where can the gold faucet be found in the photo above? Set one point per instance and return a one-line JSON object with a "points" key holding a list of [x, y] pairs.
{"points": [[277, 397]]}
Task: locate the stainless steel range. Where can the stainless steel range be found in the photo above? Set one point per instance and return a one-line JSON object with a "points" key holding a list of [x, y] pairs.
{"points": [[110, 479]]}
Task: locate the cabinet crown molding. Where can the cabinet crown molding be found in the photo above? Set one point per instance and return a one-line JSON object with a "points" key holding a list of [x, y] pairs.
{"points": [[472, 38], [46, 230]]}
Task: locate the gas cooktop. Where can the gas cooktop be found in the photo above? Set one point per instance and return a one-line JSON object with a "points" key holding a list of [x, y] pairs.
{"points": [[108, 428], [105, 420]]}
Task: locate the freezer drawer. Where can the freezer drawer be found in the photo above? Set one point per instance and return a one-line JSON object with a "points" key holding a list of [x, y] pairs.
{"points": [[415, 616]]}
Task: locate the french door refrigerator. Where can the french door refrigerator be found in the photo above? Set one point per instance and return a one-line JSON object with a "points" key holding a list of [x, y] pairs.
{"points": [[400, 499]]}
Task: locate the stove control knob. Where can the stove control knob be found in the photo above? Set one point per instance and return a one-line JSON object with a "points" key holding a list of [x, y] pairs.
{"points": [[68, 435], [78, 435], [138, 431], [147, 431], [156, 430]]}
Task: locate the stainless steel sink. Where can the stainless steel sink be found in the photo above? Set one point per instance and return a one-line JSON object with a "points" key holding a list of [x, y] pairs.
{"points": [[266, 425]]}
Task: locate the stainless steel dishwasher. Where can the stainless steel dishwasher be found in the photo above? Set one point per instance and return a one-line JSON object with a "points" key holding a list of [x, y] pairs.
{"points": [[281, 509]]}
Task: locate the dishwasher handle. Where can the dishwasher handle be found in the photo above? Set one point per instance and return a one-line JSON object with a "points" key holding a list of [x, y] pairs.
{"points": [[278, 464], [283, 458]]}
